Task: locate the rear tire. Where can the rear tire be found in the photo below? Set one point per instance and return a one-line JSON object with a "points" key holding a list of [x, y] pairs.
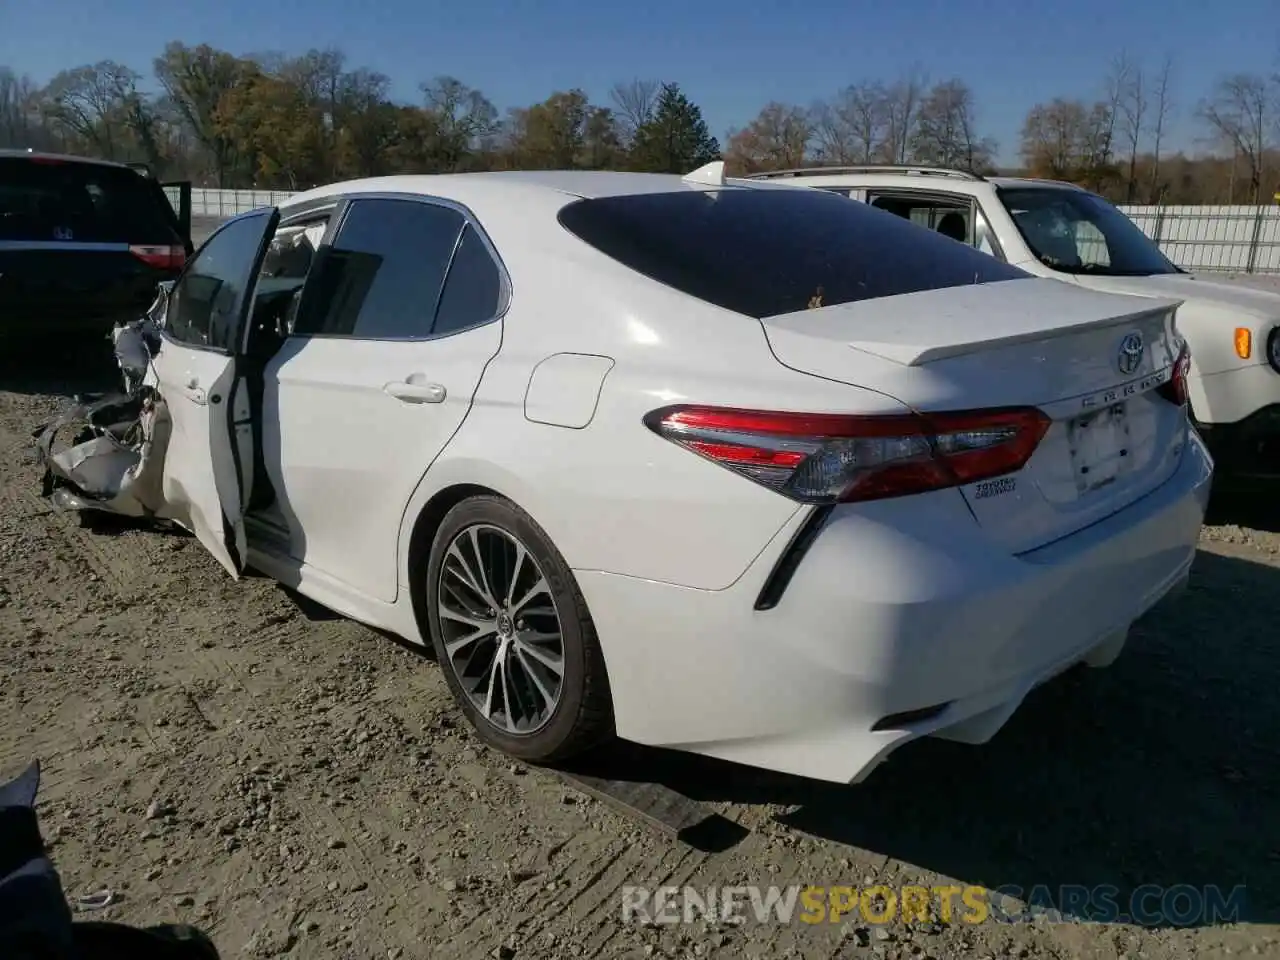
{"points": [[513, 635]]}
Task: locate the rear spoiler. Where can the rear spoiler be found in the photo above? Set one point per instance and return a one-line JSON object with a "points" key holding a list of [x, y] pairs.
{"points": [[928, 326]]}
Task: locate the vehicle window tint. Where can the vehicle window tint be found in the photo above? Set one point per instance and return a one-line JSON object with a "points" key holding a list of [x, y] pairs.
{"points": [[206, 303], [1077, 232], [473, 288], [950, 218], [769, 252], [381, 278], [62, 200]]}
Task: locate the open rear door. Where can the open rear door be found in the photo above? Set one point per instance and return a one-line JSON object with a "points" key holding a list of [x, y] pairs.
{"points": [[178, 193], [195, 373]]}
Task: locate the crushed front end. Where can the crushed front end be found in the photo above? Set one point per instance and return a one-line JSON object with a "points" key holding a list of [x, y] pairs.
{"points": [[114, 460], [106, 452]]}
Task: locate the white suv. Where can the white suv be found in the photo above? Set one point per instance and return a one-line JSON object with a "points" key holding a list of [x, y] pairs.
{"points": [[1058, 230]]}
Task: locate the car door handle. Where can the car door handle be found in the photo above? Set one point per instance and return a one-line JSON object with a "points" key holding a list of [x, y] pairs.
{"points": [[411, 392]]}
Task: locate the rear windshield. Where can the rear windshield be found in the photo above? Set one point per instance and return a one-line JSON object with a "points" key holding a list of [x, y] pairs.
{"points": [[56, 200], [769, 252]]}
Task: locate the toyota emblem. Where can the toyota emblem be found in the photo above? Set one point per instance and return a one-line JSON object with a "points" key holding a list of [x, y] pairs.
{"points": [[1130, 357]]}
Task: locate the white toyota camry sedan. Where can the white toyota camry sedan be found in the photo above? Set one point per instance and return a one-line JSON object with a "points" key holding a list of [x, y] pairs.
{"points": [[739, 469]]}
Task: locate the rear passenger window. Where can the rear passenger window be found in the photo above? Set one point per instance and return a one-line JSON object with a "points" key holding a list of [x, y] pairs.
{"points": [[473, 290], [382, 277]]}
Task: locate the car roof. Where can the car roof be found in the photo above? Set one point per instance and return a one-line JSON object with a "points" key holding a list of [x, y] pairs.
{"points": [[920, 179], [551, 184], [6, 152], [1034, 182]]}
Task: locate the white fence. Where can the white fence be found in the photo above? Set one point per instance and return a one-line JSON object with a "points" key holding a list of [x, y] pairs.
{"points": [[208, 202], [1242, 239]]}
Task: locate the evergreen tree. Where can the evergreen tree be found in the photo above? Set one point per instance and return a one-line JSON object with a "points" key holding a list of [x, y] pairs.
{"points": [[675, 139]]}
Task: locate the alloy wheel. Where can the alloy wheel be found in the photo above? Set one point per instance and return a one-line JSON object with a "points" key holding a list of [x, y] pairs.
{"points": [[501, 629]]}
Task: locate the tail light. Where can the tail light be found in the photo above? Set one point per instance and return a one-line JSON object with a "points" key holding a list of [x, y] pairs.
{"points": [[1175, 389], [161, 257], [831, 458]]}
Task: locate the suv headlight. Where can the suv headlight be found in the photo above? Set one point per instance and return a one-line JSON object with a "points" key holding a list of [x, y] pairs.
{"points": [[1273, 348]]}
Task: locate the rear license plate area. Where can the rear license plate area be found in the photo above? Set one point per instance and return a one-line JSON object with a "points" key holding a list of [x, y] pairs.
{"points": [[1100, 446]]}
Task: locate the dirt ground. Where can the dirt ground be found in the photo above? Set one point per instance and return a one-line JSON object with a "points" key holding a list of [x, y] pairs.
{"points": [[300, 786]]}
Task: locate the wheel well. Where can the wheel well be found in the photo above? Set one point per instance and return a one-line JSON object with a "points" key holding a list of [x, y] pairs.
{"points": [[424, 532]]}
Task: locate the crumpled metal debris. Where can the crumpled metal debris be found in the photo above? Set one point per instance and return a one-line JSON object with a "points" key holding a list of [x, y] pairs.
{"points": [[115, 460], [133, 354]]}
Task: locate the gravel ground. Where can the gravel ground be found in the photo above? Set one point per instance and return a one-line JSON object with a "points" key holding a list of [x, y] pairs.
{"points": [[298, 785]]}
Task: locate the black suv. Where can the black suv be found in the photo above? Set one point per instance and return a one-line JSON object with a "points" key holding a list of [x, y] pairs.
{"points": [[83, 243]]}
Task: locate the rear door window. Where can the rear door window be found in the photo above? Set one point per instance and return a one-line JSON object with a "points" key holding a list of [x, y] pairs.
{"points": [[473, 291], [382, 276], [960, 218], [69, 202], [768, 252]]}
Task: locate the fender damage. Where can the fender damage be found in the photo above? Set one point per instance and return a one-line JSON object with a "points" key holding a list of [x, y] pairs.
{"points": [[106, 452]]}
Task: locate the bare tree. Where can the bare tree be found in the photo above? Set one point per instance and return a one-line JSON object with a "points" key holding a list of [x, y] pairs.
{"points": [[1241, 114], [945, 131], [902, 101], [1117, 83], [850, 128], [461, 115], [1133, 114], [20, 122], [1052, 135], [1159, 118], [633, 106], [91, 102]]}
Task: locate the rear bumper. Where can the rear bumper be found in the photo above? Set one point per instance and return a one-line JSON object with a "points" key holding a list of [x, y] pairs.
{"points": [[892, 628]]}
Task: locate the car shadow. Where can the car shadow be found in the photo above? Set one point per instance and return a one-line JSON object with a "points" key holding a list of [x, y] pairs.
{"points": [[1256, 507], [62, 366], [1161, 770]]}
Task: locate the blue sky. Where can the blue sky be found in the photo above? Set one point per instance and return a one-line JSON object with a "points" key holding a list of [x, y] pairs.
{"points": [[730, 57]]}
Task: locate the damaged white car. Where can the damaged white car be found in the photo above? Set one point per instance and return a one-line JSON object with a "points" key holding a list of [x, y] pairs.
{"points": [[739, 469]]}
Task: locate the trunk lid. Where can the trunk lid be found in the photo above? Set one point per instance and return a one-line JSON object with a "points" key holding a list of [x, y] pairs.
{"points": [[1032, 342]]}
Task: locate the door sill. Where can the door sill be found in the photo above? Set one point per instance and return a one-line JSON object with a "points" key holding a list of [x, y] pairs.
{"points": [[268, 531]]}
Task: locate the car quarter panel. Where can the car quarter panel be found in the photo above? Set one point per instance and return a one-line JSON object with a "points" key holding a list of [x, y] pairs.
{"points": [[612, 495]]}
